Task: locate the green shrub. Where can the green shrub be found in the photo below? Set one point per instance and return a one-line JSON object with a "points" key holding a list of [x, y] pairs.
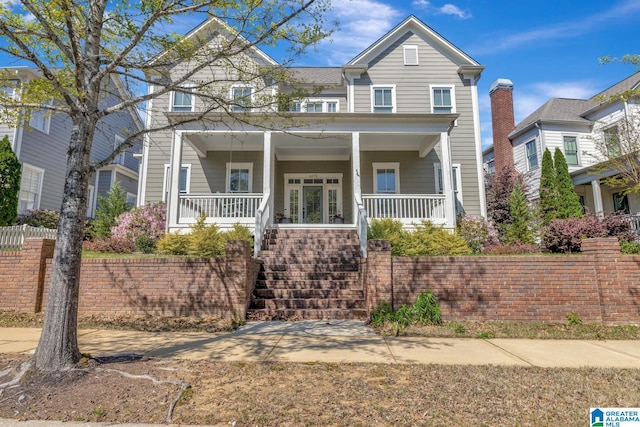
{"points": [[630, 248], [203, 241], [425, 311], [431, 240], [174, 244], [109, 208], [573, 319], [10, 173], [145, 244], [39, 218], [387, 229]]}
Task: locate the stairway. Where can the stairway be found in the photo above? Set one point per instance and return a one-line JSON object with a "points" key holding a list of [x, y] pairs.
{"points": [[308, 274]]}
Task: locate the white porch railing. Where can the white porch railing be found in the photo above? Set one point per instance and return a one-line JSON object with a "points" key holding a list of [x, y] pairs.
{"points": [[263, 217], [12, 238], [407, 208], [634, 222], [234, 207]]}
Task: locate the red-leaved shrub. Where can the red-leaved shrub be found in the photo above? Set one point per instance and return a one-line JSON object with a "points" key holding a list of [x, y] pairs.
{"points": [[516, 248], [566, 235], [121, 246]]}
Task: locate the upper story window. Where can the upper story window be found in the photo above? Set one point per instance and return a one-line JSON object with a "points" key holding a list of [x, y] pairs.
{"points": [[491, 167], [532, 155], [30, 188], [611, 141], [571, 150], [315, 106], [119, 159], [383, 99], [386, 178], [443, 99], [40, 120], [410, 54], [181, 101], [239, 177], [242, 98]]}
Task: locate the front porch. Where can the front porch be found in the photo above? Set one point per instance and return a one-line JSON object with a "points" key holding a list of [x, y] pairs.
{"points": [[334, 178]]}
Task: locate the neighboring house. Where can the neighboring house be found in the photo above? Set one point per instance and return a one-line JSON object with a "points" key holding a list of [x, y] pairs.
{"points": [[574, 126], [40, 141], [372, 143]]}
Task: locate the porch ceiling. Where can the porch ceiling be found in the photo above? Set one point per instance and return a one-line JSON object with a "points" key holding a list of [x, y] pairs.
{"points": [[313, 145]]}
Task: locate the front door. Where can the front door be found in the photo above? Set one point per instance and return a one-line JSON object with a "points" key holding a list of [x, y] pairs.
{"points": [[312, 198], [312, 209]]}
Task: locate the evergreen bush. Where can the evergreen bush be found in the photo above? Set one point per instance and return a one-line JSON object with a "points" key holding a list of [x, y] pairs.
{"points": [[10, 173]]}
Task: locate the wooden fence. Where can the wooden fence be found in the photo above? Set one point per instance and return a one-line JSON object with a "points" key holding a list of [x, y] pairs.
{"points": [[12, 238]]}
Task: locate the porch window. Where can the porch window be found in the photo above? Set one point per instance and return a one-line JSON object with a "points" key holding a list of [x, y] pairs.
{"points": [[242, 97], [185, 178], [620, 203], [30, 188], [457, 185], [386, 178], [532, 155], [239, 177], [181, 101], [571, 150], [443, 99], [315, 106], [383, 99]]}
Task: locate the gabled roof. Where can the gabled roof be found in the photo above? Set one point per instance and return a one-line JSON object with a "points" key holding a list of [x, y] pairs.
{"points": [[631, 82], [211, 26], [411, 23], [317, 75], [555, 110]]}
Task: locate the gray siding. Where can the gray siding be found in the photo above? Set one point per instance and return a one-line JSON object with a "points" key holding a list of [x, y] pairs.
{"points": [[416, 174], [127, 183], [208, 175]]}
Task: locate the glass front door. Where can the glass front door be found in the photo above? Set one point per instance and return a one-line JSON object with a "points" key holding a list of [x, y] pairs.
{"points": [[312, 210], [312, 199]]}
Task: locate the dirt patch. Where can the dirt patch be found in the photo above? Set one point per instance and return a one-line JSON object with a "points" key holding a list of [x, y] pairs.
{"points": [[289, 394]]}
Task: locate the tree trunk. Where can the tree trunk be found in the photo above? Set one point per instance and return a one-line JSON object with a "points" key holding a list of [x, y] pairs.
{"points": [[58, 346]]}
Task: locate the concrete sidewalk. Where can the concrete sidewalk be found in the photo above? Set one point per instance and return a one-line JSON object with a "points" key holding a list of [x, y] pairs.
{"points": [[338, 341]]}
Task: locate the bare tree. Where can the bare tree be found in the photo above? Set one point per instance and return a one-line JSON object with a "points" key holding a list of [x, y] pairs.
{"points": [[88, 51]]}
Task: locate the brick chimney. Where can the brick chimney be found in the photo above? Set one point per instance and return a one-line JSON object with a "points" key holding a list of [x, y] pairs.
{"points": [[502, 121]]}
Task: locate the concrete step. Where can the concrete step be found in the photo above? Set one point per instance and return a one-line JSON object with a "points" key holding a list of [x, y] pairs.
{"points": [[304, 314]]}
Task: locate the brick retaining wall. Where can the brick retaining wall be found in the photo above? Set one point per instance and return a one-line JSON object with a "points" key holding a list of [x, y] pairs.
{"points": [[600, 285]]}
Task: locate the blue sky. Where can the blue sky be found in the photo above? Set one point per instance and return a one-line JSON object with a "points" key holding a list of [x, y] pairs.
{"points": [[547, 48]]}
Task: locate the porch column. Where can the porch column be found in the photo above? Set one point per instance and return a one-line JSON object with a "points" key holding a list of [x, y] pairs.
{"points": [[173, 201], [355, 172], [268, 180], [447, 180], [597, 198]]}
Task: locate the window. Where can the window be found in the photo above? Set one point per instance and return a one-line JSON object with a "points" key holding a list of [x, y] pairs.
{"points": [[532, 155], [131, 199], [386, 178], [119, 159], [383, 99], [181, 101], [457, 185], [242, 98], [620, 203], [612, 141], [571, 150], [239, 177], [30, 188], [410, 54], [315, 106], [40, 120], [491, 167], [443, 99], [185, 180]]}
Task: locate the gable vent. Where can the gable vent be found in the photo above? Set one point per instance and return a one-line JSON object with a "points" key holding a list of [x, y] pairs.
{"points": [[410, 54]]}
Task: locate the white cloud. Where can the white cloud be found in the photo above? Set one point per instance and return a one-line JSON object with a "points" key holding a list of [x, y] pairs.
{"points": [[451, 9], [362, 22], [447, 9], [561, 30]]}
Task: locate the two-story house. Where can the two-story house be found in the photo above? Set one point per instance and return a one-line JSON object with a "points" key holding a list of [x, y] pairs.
{"points": [[575, 126], [40, 141], [394, 133]]}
